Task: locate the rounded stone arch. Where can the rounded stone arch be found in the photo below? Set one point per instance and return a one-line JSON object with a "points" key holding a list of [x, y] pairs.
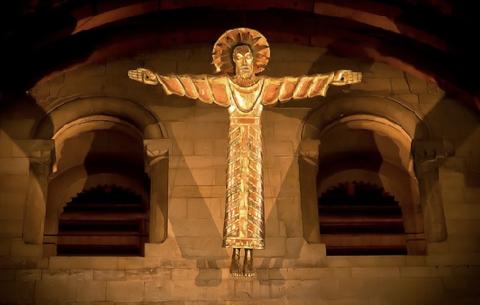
{"points": [[382, 116], [91, 124], [96, 122], [67, 111], [386, 107], [382, 127]]}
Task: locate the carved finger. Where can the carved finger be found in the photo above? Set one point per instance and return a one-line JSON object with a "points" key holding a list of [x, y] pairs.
{"points": [[133, 75]]}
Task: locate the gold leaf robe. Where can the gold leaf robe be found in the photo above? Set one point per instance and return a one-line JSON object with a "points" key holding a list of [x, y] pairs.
{"points": [[244, 225]]}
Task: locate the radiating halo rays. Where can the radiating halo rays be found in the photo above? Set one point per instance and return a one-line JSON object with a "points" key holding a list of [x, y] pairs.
{"points": [[223, 49]]}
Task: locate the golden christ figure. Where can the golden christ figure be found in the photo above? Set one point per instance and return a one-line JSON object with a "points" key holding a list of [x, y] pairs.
{"points": [[239, 54]]}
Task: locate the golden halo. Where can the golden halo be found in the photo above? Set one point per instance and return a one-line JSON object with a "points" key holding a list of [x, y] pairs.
{"points": [[223, 48]]}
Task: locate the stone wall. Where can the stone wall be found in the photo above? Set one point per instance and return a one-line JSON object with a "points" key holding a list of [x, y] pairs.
{"points": [[190, 267]]}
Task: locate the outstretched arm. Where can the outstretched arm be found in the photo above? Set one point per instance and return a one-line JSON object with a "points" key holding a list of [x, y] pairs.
{"points": [[287, 88], [208, 89]]}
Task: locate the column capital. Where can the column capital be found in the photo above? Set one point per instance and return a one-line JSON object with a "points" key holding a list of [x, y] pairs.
{"points": [[40, 154], [36, 148], [427, 153], [155, 150], [309, 150]]}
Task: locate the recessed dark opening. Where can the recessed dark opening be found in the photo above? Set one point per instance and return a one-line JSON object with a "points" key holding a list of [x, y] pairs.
{"points": [[358, 218], [105, 220]]}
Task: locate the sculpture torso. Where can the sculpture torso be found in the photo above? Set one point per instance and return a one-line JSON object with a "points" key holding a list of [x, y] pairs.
{"points": [[245, 99]]}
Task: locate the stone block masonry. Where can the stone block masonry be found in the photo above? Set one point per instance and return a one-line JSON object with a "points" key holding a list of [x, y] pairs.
{"points": [[190, 267]]}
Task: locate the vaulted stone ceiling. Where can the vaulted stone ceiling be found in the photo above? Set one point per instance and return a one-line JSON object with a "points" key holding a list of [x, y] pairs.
{"points": [[433, 39]]}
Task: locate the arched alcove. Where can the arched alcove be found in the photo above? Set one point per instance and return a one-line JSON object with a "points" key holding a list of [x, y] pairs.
{"points": [[91, 153], [103, 150], [366, 139], [373, 150]]}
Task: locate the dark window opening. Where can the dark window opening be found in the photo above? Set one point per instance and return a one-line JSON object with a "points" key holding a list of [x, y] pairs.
{"points": [[358, 218], [105, 220]]}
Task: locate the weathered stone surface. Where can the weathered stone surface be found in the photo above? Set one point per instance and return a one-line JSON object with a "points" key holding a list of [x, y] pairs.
{"points": [[424, 271], [66, 262], [158, 290], [375, 272], [108, 275], [125, 291], [12, 206], [91, 291], [56, 290], [14, 166], [28, 275], [13, 183], [157, 274], [374, 84], [130, 263], [399, 85], [19, 248], [416, 85], [17, 291], [11, 228]]}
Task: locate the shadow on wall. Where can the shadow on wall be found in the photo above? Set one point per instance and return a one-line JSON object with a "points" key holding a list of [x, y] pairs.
{"points": [[452, 147], [101, 162], [455, 131], [18, 114]]}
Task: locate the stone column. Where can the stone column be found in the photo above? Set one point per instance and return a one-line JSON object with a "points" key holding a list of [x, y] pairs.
{"points": [[308, 166], [428, 155], [40, 154], [156, 166]]}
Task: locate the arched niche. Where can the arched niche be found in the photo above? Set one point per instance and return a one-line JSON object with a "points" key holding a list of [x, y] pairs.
{"points": [[61, 114], [371, 149], [80, 125], [394, 129]]}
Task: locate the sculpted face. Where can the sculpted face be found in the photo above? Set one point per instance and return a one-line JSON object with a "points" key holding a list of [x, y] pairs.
{"points": [[243, 59]]}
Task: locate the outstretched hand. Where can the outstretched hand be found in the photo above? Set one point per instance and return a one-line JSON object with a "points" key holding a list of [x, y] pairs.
{"points": [[144, 76], [346, 77]]}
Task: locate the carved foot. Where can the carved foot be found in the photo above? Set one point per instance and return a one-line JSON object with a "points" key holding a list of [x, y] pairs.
{"points": [[235, 269], [248, 268]]}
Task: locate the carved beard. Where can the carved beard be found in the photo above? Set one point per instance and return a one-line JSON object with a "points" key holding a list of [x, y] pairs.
{"points": [[245, 82]]}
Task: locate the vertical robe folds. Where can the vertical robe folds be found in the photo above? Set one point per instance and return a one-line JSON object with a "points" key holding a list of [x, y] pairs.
{"points": [[244, 210]]}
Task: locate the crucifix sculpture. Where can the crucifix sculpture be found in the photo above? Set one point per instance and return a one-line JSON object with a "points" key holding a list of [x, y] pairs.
{"points": [[240, 54]]}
